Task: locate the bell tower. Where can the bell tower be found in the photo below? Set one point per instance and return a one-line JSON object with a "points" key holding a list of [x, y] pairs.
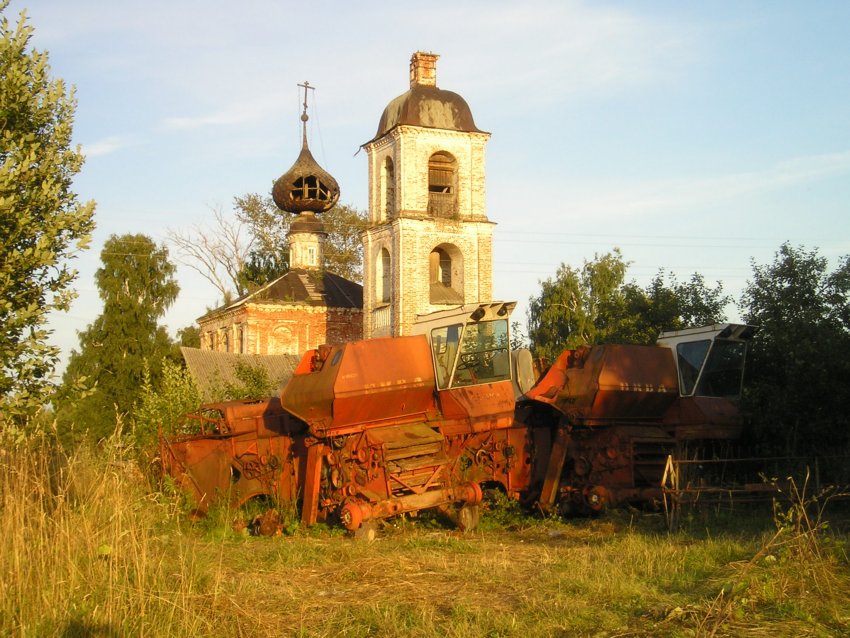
{"points": [[429, 244]]}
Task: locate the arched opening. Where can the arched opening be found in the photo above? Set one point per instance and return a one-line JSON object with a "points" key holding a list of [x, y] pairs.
{"points": [[383, 277], [387, 190], [442, 185], [446, 275]]}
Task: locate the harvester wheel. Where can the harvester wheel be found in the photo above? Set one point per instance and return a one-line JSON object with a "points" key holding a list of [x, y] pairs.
{"points": [[367, 531], [468, 517], [597, 498]]}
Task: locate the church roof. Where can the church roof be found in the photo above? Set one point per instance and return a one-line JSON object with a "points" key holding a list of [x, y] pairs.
{"points": [[428, 107], [303, 287], [212, 371]]}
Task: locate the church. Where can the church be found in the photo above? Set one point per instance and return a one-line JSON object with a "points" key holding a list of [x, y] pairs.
{"points": [[428, 245]]}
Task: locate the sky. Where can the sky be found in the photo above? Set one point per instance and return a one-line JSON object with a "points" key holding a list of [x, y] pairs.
{"points": [[694, 136]]}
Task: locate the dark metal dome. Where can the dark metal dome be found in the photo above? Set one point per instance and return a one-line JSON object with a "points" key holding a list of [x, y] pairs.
{"points": [[429, 107], [306, 186]]}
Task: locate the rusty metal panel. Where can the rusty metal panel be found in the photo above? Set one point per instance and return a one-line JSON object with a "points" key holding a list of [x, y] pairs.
{"points": [[610, 383], [704, 418], [364, 382], [487, 400]]}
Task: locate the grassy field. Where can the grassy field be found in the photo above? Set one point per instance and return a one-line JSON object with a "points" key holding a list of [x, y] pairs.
{"points": [[89, 549]]}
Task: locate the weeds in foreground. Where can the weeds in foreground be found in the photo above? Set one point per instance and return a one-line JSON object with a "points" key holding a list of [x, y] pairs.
{"points": [[90, 550], [799, 573]]}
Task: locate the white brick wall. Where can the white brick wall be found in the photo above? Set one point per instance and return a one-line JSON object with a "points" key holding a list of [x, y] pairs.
{"points": [[410, 233]]}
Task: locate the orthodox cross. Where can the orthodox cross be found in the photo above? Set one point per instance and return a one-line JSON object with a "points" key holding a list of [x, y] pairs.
{"points": [[304, 117]]}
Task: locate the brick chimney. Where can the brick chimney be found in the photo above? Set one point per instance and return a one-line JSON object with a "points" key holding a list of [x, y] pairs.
{"points": [[423, 69]]}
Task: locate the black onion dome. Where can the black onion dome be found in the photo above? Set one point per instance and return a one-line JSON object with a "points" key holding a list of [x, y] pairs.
{"points": [[306, 187], [428, 107]]}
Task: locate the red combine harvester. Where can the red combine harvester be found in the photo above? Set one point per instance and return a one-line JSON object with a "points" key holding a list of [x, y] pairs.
{"points": [[372, 429], [604, 419]]}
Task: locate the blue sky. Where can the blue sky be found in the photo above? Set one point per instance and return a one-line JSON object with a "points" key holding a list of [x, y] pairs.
{"points": [[694, 136]]}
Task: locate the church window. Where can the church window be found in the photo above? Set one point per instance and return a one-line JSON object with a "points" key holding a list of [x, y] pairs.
{"points": [[284, 341], [388, 189], [444, 274], [383, 277], [442, 196]]}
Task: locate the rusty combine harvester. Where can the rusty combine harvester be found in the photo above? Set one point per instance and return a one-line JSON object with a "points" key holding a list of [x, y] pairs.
{"points": [[604, 419], [372, 429], [377, 428]]}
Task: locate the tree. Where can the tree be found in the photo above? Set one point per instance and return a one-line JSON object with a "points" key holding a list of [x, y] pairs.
{"points": [[594, 304], [165, 404], [667, 304], [220, 253], [42, 224], [798, 381], [136, 283], [577, 306]]}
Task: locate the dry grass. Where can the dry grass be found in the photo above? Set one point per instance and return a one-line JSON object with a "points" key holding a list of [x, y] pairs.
{"points": [[90, 550]]}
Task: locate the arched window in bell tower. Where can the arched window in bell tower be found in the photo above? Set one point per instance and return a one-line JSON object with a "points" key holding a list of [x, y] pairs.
{"points": [[387, 190], [446, 275], [442, 185], [383, 277]]}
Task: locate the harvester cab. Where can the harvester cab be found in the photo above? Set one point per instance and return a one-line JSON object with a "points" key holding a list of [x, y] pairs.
{"points": [[710, 359], [471, 345]]}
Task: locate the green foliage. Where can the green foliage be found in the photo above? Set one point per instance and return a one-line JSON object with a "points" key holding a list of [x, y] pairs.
{"points": [[518, 337], [577, 306], [594, 304], [253, 383], [343, 249], [268, 227], [42, 224], [798, 381], [136, 283], [165, 404], [189, 337], [261, 268]]}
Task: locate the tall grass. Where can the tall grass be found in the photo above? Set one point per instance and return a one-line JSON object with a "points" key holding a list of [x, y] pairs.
{"points": [[87, 550]]}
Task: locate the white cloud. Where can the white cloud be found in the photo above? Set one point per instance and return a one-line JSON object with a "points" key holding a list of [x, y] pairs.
{"points": [[107, 145], [607, 200]]}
